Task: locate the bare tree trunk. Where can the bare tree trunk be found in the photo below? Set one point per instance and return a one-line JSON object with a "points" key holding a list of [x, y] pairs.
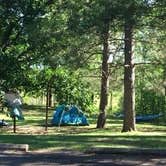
{"points": [[111, 98], [104, 80], [50, 97], [129, 78], [14, 124], [47, 102]]}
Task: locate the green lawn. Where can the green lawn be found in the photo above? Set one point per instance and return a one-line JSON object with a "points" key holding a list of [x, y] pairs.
{"points": [[31, 131]]}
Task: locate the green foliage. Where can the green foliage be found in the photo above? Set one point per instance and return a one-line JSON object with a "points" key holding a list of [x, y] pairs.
{"points": [[14, 40], [70, 89], [150, 102], [67, 86], [35, 34]]}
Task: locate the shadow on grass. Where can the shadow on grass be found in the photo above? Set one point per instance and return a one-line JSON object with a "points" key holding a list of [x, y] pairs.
{"points": [[93, 119], [79, 137], [85, 142], [36, 107]]}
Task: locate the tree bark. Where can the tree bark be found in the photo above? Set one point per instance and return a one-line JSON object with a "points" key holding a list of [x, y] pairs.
{"points": [[129, 78], [47, 102], [14, 124], [50, 97], [104, 80]]}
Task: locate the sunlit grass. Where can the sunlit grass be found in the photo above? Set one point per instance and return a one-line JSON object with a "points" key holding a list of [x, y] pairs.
{"points": [[32, 131]]}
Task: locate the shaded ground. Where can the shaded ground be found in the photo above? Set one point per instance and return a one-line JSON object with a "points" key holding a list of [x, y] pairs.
{"points": [[73, 158]]}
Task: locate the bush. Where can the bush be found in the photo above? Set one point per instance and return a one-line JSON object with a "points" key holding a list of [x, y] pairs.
{"points": [[70, 89], [150, 102]]}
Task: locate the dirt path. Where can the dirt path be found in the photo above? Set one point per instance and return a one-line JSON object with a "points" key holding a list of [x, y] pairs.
{"points": [[72, 158]]}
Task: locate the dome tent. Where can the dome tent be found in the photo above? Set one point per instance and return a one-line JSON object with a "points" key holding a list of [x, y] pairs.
{"points": [[68, 115]]}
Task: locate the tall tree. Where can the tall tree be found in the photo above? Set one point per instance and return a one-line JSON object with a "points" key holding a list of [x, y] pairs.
{"points": [[131, 18], [95, 18], [105, 76], [129, 78], [135, 16]]}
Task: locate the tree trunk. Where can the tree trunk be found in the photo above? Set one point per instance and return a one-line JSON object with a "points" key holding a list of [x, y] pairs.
{"points": [[50, 97], [104, 80], [14, 124], [129, 78], [111, 98], [47, 102]]}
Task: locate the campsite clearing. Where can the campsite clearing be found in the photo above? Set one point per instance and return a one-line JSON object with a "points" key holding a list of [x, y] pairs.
{"points": [[31, 131]]}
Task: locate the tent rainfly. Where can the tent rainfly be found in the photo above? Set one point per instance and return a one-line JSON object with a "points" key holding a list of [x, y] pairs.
{"points": [[68, 115]]}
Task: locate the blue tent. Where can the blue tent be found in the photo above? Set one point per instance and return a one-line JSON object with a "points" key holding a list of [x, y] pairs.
{"points": [[68, 115]]}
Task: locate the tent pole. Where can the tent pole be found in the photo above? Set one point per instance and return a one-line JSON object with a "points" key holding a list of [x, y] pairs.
{"points": [[14, 124]]}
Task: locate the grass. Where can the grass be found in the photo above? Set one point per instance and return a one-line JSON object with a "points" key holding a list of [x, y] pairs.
{"points": [[31, 131]]}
